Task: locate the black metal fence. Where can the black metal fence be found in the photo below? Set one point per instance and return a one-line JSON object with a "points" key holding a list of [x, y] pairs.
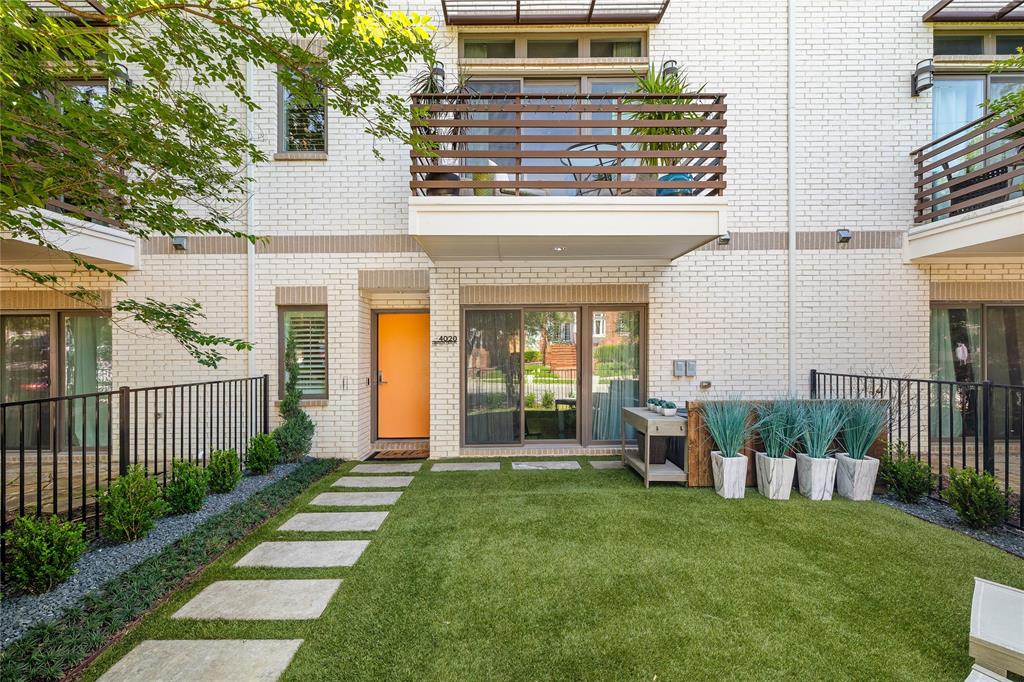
{"points": [[949, 424], [57, 453]]}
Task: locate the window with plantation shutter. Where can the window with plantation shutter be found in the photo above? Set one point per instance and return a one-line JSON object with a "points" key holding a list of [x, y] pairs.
{"points": [[309, 327]]}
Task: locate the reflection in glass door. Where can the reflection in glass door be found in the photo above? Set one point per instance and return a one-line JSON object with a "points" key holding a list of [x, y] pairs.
{"points": [[25, 350], [1004, 340], [493, 386], [615, 371], [550, 375]]}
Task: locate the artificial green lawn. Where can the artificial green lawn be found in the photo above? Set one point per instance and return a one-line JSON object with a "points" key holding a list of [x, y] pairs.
{"points": [[585, 575]]}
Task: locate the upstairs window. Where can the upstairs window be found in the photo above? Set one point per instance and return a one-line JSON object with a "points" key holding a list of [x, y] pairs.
{"points": [[552, 49], [309, 326], [978, 43], [303, 124], [553, 46], [617, 47], [489, 49]]}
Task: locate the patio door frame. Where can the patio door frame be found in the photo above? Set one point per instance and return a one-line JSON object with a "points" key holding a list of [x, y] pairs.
{"points": [[584, 372]]}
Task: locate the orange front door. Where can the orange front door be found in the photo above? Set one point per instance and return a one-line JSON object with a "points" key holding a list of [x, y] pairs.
{"points": [[403, 375]]}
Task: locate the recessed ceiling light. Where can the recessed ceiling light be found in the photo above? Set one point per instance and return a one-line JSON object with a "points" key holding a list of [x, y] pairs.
{"points": [[558, 249]]}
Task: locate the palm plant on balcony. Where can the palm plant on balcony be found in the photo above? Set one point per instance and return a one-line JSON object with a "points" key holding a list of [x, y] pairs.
{"points": [[816, 469], [863, 422], [671, 84], [431, 81], [780, 425], [729, 423]]}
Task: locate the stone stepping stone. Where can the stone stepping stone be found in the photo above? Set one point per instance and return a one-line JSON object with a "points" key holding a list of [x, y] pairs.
{"points": [[544, 465], [335, 521], [356, 499], [387, 467], [260, 600], [465, 466], [607, 464], [205, 660], [373, 481], [305, 554]]}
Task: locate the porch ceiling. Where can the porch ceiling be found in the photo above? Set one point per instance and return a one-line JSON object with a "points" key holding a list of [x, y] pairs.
{"points": [[635, 230], [991, 233], [469, 12], [976, 10]]}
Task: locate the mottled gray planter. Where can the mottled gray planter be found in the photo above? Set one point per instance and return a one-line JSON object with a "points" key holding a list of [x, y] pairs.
{"points": [[855, 478], [817, 477], [775, 476], [730, 474]]}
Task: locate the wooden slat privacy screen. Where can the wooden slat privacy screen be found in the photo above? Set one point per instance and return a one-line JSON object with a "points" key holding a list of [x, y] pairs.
{"points": [[536, 144], [975, 166], [310, 329]]}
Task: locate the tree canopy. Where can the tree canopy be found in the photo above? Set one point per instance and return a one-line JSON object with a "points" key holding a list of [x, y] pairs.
{"points": [[151, 154]]}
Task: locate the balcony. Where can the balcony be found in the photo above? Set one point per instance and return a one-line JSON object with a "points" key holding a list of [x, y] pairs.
{"points": [[86, 234], [969, 202], [583, 178]]}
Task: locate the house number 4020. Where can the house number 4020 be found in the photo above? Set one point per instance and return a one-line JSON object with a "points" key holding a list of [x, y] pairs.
{"points": [[445, 340]]}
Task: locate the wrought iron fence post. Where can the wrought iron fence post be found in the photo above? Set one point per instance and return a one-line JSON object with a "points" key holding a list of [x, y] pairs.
{"points": [[124, 401], [988, 437], [266, 403], [814, 384]]}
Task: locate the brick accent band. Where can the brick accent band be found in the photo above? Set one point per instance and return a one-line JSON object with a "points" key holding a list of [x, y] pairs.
{"points": [[1006, 290], [395, 280], [300, 295], [553, 293], [45, 299]]}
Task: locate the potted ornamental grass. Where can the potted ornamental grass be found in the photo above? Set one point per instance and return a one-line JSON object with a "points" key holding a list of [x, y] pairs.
{"points": [[816, 469], [728, 422], [779, 424], [863, 422]]}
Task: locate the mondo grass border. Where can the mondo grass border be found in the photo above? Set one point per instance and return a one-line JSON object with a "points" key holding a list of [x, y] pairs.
{"points": [[50, 651]]}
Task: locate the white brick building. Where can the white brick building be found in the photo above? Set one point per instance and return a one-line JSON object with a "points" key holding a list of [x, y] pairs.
{"points": [[816, 144]]}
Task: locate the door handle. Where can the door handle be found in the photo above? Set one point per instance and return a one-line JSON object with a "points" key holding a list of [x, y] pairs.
{"points": [[380, 378]]}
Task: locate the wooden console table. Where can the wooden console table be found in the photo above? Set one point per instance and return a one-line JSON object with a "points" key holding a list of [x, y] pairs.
{"points": [[648, 425]]}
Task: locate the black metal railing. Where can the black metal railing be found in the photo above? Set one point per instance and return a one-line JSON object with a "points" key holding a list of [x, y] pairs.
{"points": [[949, 424], [57, 453]]}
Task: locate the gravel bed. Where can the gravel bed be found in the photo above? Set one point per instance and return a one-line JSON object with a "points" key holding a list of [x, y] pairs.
{"points": [[1005, 537], [105, 561]]}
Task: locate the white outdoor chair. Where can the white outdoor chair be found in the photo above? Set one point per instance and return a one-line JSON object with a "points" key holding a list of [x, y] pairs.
{"points": [[997, 631], [507, 177]]}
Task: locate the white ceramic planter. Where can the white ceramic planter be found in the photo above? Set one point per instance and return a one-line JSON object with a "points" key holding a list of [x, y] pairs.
{"points": [[817, 477], [855, 478], [668, 411], [730, 474], [775, 476]]}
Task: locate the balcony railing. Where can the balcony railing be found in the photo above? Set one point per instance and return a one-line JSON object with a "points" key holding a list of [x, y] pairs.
{"points": [[549, 144], [973, 167]]}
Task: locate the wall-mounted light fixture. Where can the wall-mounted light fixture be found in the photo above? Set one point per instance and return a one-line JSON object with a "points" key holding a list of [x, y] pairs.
{"points": [[437, 75], [725, 239], [923, 78], [179, 243], [843, 236], [119, 72], [669, 68]]}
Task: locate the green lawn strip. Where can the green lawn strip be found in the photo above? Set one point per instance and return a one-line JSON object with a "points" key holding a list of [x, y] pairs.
{"points": [[159, 625], [584, 575], [47, 651]]}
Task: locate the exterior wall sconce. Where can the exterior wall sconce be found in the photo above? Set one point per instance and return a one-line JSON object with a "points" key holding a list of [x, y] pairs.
{"points": [[725, 239], [843, 236], [437, 75], [120, 73], [669, 68], [179, 243], [923, 78]]}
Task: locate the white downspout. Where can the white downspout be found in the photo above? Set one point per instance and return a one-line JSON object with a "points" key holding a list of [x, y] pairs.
{"points": [[250, 221], [791, 201]]}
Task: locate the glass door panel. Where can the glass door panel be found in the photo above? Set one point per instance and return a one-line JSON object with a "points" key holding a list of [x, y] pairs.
{"points": [[955, 350], [1004, 338], [559, 135], [493, 377], [551, 374], [88, 368], [492, 87], [615, 373], [25, 347]]}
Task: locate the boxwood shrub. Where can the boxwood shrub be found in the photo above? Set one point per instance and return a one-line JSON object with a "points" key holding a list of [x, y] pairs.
{"points": [[225, 471], [262, 454], [187, 490], [42, 552], [976, 498], [131, 506]]}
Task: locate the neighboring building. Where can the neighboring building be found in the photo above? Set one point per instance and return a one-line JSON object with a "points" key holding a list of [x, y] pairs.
{"points": [[413, 311]]}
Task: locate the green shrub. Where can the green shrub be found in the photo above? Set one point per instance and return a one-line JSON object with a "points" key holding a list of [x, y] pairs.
{"points": [[130, 506], [225, 471], [976, 498], [531, 356], [547, 399], [294, 438], [905, 475], [42, 552], [187, 488], [530, 400], [263, 452]]}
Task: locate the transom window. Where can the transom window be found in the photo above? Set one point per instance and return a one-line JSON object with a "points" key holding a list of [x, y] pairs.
{"points": [[552, 46], [977, 43]]}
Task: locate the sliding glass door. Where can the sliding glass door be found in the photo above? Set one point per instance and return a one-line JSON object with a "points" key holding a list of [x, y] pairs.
{"points": [[579, 366], [25, 350]]}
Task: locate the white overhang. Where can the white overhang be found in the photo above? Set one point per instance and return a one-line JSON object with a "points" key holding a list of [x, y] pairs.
{"points": [[101, 244], [509, 229], [993, 232]]}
